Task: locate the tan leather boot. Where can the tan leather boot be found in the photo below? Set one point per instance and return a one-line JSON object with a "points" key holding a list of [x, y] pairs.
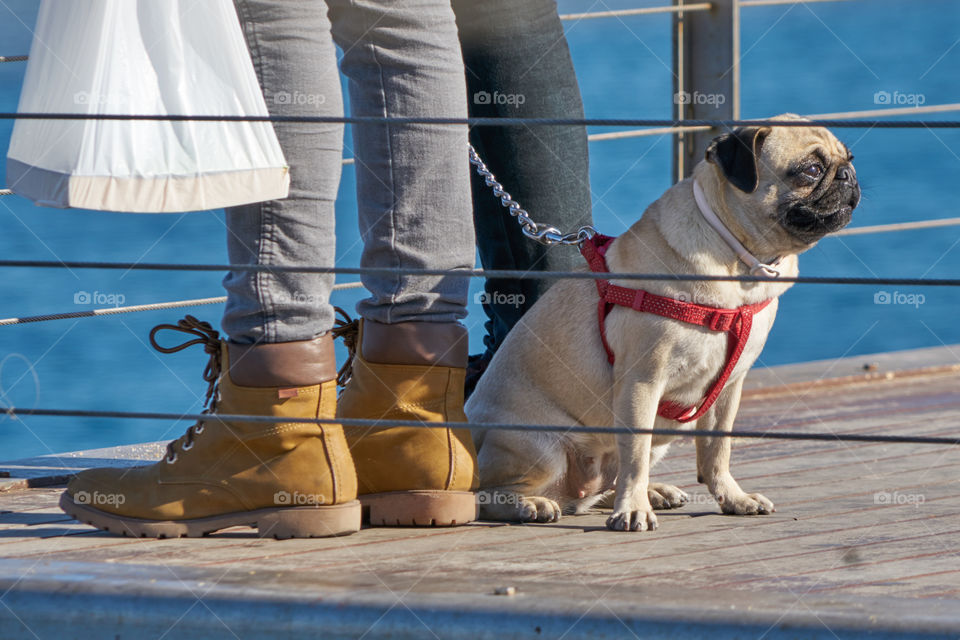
{"points": [[410, 475], [290, 480]]}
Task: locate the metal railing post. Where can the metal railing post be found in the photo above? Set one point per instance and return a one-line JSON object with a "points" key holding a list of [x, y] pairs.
{"points": [[706, 75]]}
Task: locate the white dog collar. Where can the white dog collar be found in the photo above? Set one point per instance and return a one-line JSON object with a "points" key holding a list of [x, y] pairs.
{"points": [[756, 267]]}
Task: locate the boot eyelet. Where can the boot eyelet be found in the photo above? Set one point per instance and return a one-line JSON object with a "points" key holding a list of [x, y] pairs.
{"points": [[187, 447], [198, 429], [171, 460]]}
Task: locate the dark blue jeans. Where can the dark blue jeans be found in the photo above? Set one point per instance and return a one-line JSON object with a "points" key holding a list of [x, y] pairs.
{"points": [[518, 65]]}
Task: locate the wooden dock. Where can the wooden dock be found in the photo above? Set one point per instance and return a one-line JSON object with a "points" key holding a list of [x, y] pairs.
{"points": [[865, 543]]}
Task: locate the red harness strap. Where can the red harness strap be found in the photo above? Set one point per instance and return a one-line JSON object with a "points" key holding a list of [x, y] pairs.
{"points": [[735, 323]]}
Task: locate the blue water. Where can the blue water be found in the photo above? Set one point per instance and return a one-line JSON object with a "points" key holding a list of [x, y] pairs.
{"points": [[806, 59]]}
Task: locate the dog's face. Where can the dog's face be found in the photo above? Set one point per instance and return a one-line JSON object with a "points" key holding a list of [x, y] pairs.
{"points": [[800, 177]]}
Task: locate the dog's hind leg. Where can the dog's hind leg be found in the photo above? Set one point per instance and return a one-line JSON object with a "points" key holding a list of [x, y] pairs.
{"points": [[507, 505], [512, 487]]}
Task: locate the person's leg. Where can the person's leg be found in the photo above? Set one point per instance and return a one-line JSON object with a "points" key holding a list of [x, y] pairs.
{"points": [[295, 59], [297, 481], [518, 65], [403, 59]]}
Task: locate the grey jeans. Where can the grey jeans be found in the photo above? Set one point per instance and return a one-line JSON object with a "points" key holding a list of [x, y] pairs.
{"points": [[402, 58]]}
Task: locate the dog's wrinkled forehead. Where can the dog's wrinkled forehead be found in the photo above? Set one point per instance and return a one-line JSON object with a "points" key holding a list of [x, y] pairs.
{"points": [[784, 146]]}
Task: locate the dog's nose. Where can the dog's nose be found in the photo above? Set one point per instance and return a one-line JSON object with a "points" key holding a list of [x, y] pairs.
{"points": [[846, 174]]}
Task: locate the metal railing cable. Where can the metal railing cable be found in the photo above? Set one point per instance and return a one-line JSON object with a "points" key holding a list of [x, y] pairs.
{"points": [[835, 123], [642, 11], [357, 422], [13, 58], [156, 306], [770, 3], [840, 115], [897, 226], [510, 274], [887, 111], [642, 133], [111, 311]]}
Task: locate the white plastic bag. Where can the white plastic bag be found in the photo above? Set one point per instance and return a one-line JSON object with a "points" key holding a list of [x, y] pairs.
{"points": [[157, 57]]}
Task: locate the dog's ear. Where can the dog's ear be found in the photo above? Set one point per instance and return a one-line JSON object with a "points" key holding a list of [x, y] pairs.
{"points": [[737, 155]]}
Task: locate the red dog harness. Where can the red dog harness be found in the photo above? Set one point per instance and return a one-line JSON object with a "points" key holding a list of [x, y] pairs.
{"points": [[735, 322]]}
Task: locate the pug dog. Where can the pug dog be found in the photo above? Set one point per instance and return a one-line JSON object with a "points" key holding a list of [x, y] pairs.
{"points": [[773, 193]]}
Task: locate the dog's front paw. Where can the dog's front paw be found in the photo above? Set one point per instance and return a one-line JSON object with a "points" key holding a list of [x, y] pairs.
{"points": [[536, 509], [666, 496], [746, 504], [636, 520]]}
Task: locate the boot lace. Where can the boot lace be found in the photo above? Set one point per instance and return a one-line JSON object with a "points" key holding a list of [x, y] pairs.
{"points": [[349, 329], [203, 333]]}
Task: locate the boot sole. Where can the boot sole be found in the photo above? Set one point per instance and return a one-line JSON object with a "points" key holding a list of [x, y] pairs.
{"points": [[419, 508], [280, 523]]}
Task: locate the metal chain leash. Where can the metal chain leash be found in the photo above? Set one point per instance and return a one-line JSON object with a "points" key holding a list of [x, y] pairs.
{"points": [[544, 234]]}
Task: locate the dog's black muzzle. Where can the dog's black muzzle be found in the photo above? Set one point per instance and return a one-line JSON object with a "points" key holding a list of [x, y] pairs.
{"points": [[825, 211]]}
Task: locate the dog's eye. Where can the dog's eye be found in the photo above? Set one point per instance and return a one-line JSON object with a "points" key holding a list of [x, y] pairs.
{"points": [[813, 171]]}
